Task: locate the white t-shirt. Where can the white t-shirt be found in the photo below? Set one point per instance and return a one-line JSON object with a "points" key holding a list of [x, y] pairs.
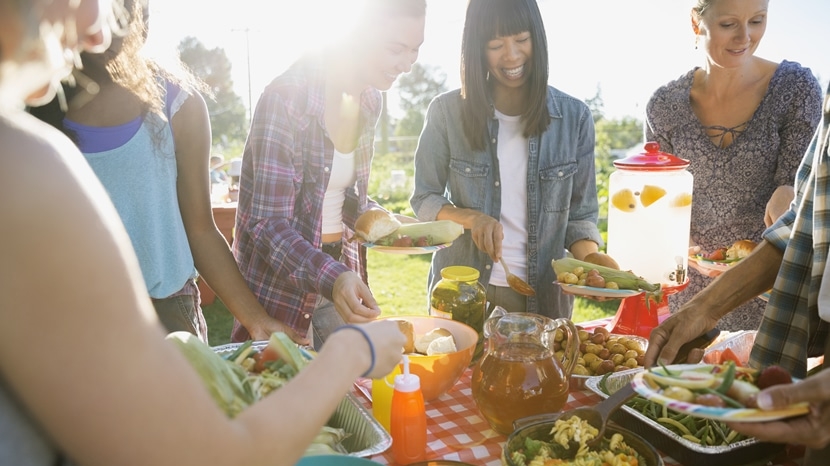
{"points": [[343, 176], [512, 153]]}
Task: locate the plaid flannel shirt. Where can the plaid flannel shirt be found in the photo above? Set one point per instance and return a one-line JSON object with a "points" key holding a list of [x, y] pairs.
{"points": [[285, 171], [791, 329]]}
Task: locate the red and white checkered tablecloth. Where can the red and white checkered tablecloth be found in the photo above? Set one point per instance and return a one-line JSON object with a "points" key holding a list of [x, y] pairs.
{"points": [[456, 430]]}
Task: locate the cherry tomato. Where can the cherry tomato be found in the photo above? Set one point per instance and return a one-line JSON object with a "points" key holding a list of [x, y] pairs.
{"points": [[717, 255], [261, 357]]}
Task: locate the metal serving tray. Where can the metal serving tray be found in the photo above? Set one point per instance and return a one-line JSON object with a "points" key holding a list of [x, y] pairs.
{"points": [[367, 437], [684, 451]]}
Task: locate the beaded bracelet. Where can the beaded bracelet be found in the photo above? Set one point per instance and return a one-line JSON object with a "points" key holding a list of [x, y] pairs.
{"points": [[368, 341]]}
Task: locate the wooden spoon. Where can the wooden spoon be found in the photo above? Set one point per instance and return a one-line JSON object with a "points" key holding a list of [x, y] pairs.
{"points": [[517, 284]]}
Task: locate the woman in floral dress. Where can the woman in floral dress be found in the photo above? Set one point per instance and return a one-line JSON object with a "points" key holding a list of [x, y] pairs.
{"points": [[744, 123]]}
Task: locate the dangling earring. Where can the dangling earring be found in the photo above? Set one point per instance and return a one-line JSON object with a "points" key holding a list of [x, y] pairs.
{"points": [[697, 39]]}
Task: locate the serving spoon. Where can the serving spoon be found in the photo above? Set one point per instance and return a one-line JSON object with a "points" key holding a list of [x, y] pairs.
{"points": [[517, 284], [597, 416]]}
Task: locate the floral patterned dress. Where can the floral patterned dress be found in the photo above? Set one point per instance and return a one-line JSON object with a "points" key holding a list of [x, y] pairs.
{"points": [[732, 184]]}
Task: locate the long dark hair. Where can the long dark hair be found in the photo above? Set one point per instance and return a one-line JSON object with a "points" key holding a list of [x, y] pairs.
{"points": [[486, 20]]}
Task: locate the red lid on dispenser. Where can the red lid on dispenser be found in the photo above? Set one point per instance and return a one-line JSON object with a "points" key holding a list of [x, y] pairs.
{"points": [[652, 160]]}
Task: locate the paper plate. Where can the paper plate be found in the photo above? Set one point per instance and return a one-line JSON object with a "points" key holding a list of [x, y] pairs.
{"points": [[645, 389], [407, 250], [713, 265], [590, 291]]}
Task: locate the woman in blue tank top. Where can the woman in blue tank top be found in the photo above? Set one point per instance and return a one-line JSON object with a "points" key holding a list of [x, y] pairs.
{"points": [[146, 134]]}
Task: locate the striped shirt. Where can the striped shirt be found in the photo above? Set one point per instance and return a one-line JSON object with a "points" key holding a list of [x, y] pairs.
{"points": [[285, 170], [791, 329]]}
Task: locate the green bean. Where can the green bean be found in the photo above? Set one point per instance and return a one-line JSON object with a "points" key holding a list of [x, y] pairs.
{"points": [[704, 435], [670, 421], [691, 438], [728, 378], [719, 431]]}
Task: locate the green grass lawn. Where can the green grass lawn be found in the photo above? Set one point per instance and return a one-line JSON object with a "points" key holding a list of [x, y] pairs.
{"points": [[399, 283]]}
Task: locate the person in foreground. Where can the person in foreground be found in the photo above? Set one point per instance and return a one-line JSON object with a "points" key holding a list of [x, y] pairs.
{"points": [[85, 372], [146, 134], [512, 160], [744, 123], [792, 260], [305, 173]]}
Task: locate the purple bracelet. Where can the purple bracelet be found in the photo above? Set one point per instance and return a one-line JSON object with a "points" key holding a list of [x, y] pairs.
{"points": [[368, 341]]}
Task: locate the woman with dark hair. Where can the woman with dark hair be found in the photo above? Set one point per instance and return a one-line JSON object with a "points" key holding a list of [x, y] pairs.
{"points": [[511, 159], [146, 134]]}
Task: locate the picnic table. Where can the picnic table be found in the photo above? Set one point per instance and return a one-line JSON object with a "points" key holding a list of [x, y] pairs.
{"points": [[457, 431]]}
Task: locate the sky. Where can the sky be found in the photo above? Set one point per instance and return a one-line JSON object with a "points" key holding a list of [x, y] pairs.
{"points": [[624, 48]]}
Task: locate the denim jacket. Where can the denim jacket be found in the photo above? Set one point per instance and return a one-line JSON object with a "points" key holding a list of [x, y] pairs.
{"points": [[561, 190]]}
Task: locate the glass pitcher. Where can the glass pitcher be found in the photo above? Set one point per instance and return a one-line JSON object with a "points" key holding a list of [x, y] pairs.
{"points": [[519, 375]]}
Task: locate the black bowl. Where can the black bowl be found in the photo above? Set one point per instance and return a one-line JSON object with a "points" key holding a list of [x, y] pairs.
{"points": [[541, 431]]}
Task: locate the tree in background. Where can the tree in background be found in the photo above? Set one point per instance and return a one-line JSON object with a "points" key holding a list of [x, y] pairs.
{"points": [[614, 134], [416, 90], [228, 117]]}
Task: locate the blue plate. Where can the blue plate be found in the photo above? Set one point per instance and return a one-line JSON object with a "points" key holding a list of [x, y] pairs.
{"points": [[337, 460]]}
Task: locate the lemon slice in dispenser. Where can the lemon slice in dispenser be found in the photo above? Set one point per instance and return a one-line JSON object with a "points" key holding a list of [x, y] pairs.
{"points": [[682, 200], [624, 200], [651, 194]]}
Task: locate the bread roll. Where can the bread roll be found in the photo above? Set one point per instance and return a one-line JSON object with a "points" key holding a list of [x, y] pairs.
{"points": [[442, 345], [409, 331], [422, 343], [374, 224], [740, 249]]}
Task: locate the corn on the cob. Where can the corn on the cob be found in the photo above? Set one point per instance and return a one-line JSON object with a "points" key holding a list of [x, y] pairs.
{"points": [[225, 380], [624, 279], [439, 231]]}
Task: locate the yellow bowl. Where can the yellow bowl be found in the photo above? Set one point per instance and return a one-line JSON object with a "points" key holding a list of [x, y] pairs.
{"points": [[439, 372]]}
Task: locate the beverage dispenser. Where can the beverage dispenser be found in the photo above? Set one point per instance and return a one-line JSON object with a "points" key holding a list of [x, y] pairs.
{"points": [[649, 216]]}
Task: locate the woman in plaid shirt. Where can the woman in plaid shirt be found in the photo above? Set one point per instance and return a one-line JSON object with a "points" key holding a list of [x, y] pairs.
{"points": [[305, 173]]}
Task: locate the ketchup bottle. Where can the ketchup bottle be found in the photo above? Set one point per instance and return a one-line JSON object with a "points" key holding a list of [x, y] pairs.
{"points": [[408, 418]]}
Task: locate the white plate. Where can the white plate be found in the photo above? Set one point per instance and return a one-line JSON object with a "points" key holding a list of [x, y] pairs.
{"points": [[408, 250], [708, 264], [647, 391], [594, 292]]}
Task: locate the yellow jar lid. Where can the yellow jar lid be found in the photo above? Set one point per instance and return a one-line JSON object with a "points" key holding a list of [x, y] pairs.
{"points": [[460, 273]]}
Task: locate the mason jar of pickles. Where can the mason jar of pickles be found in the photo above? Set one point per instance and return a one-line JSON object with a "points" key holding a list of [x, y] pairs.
{"points": [[460, 297]]}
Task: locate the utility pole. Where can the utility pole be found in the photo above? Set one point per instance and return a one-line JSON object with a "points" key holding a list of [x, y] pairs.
{"points": [[247, 32]]}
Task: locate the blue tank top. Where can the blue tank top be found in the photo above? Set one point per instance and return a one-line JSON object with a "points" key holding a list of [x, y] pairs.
{"points": [[136, 163]]}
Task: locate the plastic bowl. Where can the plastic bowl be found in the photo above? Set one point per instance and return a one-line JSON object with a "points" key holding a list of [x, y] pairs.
{"points": [[440, 372]]}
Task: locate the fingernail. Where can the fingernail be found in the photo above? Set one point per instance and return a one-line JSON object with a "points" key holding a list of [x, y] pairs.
{"points": [[663, 362], [764, 400]]}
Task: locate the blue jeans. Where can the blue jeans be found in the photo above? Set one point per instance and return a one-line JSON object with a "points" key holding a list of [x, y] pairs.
{"points": [[324, 321], [182, 312], [505, 297]]}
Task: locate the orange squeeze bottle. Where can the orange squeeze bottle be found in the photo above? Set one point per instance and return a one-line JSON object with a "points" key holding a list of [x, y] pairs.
{"points": [[408, 418]]}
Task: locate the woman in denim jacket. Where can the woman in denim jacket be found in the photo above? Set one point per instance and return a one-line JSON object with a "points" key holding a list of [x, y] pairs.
{"points": [[511, 159]]}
